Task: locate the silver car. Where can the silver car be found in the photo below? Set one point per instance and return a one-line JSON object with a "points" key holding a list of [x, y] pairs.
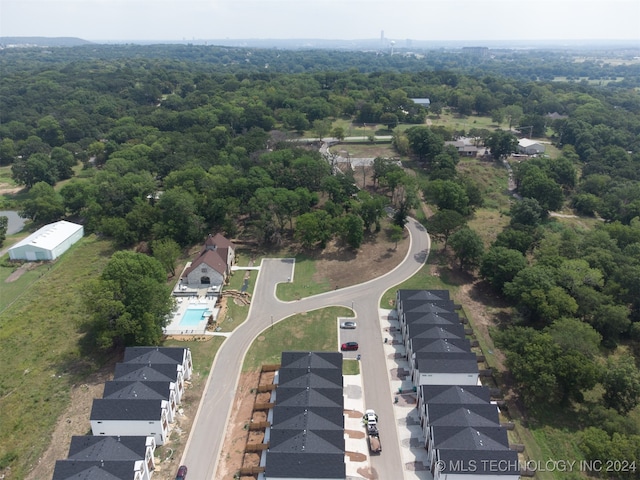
{"points": [[349, 325]]}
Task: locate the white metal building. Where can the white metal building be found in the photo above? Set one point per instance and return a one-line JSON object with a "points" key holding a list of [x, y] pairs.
{"points": [[47, 243]]}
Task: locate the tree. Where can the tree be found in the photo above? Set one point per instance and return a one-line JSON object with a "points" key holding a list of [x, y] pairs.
{"points": [[352, 230], [167, 252], [443, 223], [502, 144], [513, 113], [130, 303], [545, 372], [322, 127], [447, 195], [36, 168], [314, 227], [43, 205], [500, 265], [621, 382], [4, 224], [64, 162], [395, 234], [424, 142], [528, 212], [538, 296], [467, 247]]}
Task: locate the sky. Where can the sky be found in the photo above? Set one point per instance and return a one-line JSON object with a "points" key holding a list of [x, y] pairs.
{"points": [[436, 20]]}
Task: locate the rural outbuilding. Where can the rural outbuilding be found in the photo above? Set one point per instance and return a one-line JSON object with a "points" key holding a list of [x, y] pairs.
{"points": [[47, 243]]}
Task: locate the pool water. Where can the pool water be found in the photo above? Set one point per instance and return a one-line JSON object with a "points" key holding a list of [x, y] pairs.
{"points": [[193, 316]]}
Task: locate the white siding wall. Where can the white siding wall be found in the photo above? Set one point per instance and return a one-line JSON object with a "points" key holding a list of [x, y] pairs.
{"points": [[130, 428]]}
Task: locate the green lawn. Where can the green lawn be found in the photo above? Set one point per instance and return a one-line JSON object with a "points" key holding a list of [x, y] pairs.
{"points": [[41, 351], [311, 331], [303, 284]]}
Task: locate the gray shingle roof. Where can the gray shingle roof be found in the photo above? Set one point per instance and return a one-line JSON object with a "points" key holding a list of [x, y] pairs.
{"points": [[305, 465], [313, 418], [435, 331], [470, 438], [91, 447], [307, 431], [316, 378], [145, 373], [98, 470], [434, 318], [328, 360], [155, 355], [427, 362], [455, 394], [114, 409], [422, 295], [450, 345], [436, 306], [137, 390], [473, 415], [315, 397]]}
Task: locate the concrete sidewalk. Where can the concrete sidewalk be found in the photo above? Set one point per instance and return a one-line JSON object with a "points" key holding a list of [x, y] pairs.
{"points": [[412, 440]]}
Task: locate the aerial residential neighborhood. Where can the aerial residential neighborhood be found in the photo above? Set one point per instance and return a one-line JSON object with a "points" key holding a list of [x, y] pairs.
{"points": [[393, 258]]}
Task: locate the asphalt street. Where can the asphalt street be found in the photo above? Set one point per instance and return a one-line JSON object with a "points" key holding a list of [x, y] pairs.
{"points": [[205, 441]]}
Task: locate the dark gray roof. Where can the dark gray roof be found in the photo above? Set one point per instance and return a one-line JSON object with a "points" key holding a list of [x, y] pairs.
{"points": [[305, 360], [470, 438], [423, 295], [455, 394], [427, 362], [451, 345], [301, 441], [435, 331], [91, 447], [313, 397], [472, 415], [436, 306], [480, 462], [137, 390], [114, 409], [434, 318], [145, 373], [316, 378], [155, 355], [98, 470], [305, 465], [308, 418]]}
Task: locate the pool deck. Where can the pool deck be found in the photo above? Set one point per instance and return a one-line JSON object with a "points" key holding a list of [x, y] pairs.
{"points": [[187, 298]]}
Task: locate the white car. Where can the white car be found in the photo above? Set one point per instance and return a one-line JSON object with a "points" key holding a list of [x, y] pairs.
{"points": [[349, 325], [370, 417]]}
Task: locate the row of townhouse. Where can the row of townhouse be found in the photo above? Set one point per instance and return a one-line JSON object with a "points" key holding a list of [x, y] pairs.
{"points": [[305, 437], [461, 424], [131, 418]]}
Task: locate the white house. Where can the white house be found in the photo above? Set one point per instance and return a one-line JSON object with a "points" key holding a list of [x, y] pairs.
{"points": [[130, 418], [89, 448], [161, 355], [99, 469], [530, 147], [213, 264], [47, 243]]}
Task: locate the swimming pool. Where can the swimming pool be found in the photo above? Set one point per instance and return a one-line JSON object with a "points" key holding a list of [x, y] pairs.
{"points": [[193, 316]]}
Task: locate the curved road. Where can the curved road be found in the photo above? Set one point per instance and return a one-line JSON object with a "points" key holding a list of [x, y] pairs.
{"points": [[203, 447]]}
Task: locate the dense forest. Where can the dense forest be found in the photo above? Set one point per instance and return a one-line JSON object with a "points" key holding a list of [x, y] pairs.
{"points": [[177, 141]]}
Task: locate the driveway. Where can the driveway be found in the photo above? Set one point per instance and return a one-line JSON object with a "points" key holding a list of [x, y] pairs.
{"points": [[207, 435]]}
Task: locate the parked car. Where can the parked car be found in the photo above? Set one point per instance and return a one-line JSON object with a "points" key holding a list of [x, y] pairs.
{"points": [[182, 473], [350, 346], [350, 325]]}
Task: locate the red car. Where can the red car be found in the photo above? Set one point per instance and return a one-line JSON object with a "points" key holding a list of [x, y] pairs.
{"points": [[349, 346], [182, 473]]}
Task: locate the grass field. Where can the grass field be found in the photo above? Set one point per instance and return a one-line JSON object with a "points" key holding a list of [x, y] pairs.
{"points": [[41, 350], [317, 331]]}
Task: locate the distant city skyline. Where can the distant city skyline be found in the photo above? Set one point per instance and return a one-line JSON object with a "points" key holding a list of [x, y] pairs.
{"points": [[427, 20]]}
